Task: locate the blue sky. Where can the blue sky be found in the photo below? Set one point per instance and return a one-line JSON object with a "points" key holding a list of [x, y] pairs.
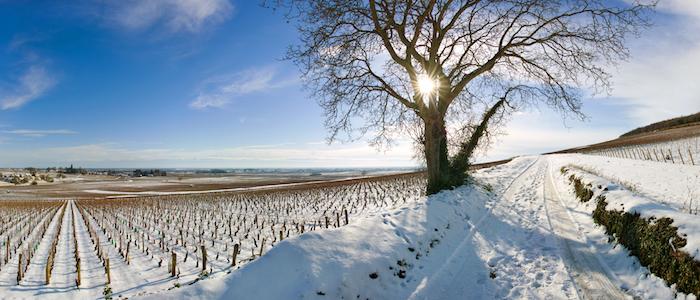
{"points": [[178, 83]]}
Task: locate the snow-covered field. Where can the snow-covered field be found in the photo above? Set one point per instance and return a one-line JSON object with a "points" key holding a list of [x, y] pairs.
{"points": [[681, 151], [517, 232]]}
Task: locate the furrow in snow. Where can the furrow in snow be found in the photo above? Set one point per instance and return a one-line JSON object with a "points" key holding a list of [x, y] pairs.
{"points": [[63, 275], [590, 275], [92, 274]]}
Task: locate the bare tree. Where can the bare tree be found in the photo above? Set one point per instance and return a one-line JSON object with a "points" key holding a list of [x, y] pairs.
{"points": [[390, 65]]}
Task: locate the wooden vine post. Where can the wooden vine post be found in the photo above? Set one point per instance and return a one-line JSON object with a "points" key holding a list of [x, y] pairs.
{"points": [[262, 245], [109, 277], [49, 262], [235, 253], [671, 156], [692, 160], [204, 258], [77, 265], [19, 268], [173, 264]]}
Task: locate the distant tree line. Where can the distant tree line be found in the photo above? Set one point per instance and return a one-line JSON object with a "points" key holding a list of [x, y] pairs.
{"points": [[211, 171], [153, 172], [72, 170], [666, 124]]}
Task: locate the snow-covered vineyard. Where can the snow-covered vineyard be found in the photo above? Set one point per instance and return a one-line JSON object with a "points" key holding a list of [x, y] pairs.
{"points": [[537, 227], [681, 151], [146, 245]]}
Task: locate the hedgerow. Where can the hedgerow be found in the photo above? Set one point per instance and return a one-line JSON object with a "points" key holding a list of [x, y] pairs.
{"points": [[655, 242]]}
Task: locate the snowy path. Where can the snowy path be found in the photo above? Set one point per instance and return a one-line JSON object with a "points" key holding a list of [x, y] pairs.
{"points": [[92, 275], [592, 276], [63, 275], [448, 281], [520, 247]]}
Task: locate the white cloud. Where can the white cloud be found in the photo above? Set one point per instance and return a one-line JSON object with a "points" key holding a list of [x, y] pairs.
{"points": [[220, 91], [40, 133], [681, 7], [31, 85], [661, 85], [660, 80], [176, 15]]}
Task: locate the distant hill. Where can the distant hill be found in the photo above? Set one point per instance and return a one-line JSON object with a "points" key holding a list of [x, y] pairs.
{"points": [[667, 124]]}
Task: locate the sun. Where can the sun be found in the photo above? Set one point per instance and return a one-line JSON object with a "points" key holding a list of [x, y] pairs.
{"points": [[426, 84]]}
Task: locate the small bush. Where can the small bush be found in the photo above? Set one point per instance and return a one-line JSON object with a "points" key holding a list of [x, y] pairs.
{"points": [[107, 292], [584, 192]]}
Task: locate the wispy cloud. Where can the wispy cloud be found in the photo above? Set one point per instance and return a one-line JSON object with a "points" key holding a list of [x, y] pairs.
{"points": [[34, 83], [175, 15], [219, 91], [40, 133], [660, 81], [681, 7]]}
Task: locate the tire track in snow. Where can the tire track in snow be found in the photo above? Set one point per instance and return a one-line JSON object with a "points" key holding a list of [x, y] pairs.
{"points": [[456, 260], [593, 278], [520, 248]]}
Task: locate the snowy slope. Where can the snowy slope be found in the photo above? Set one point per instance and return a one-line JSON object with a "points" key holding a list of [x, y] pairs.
{"points": [[674, 185], [516, 232], [528, 238], [655, 182], [447, 246]]}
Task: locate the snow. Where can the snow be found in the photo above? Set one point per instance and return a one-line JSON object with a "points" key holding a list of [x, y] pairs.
{"points": [[674, 185], [621, 268], [447, 245], [253, 188], [506, 244], [516, 232], [652, 180], [684, 151]]}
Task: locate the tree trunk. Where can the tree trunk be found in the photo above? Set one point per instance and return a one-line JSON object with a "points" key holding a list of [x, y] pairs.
{"points": [[436, 154]]}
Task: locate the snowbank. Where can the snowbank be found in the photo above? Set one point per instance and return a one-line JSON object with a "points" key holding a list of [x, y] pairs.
{"points": [[393, 253], [675, 185], [621, 199]]}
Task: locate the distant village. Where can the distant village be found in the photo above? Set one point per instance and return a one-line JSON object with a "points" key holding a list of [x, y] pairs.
{"points": [[34, 176]]}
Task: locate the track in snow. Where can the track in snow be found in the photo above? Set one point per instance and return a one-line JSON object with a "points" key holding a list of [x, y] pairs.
{"points": [[532, 246], [93, 276], [63, 275], [591, 275]]}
